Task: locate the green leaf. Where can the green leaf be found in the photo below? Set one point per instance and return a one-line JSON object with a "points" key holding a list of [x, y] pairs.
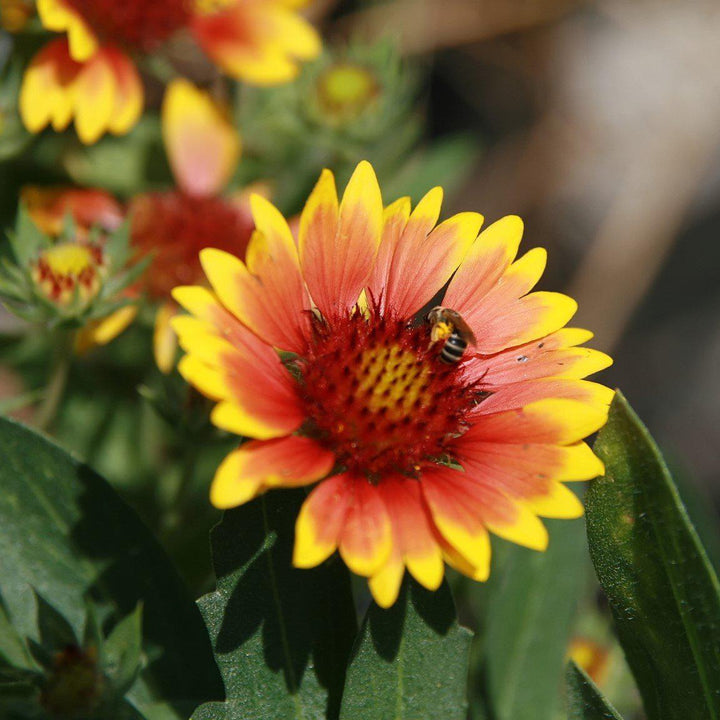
{"points": [[410, 661], [585, 701], [27, 239], [65, 534], [212, 711], [13, 651], [117, 246], [533, 600], [282, 636], [663, 592], [122, 650]]}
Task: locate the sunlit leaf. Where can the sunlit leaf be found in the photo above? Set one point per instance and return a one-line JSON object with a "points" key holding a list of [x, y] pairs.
{"points": [[281, 636], [663, 592], [410, 661]]}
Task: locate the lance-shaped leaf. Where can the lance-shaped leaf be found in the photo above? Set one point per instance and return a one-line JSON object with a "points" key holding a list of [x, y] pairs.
{"points": [[410, 661], [664, 594], [532, 605], [121, 652], [585, 701], [65, 535], [282, 636]]}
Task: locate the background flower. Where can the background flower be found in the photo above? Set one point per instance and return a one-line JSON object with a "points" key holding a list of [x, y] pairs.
{"points": [[171, 227], [91, 74]]}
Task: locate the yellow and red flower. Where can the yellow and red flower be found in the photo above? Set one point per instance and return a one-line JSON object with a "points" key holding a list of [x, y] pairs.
{"points": [[591, 656], [72, 270], [90, 76], [416, 461], [173, 226], [88, 207]]}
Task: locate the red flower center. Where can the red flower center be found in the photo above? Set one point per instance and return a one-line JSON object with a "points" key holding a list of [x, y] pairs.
{"points": [[379, 396], [137, 24], [173, 227]]}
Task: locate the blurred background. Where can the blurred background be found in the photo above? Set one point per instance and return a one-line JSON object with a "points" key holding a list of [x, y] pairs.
{"points": [[597, 122]]}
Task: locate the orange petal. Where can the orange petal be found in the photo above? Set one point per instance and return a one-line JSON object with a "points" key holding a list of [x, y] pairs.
{"points": [[129, 92], [552, 356], [321, 520], [95, 97], [337, 262], [530, 317], [270, 299], [409, 284], [555, 420], [206, 306], [486, 261], [319, 224], [459, 521], [413, 530], [460, 504], [256, 41], [202, 144], [259, 401], [255, 392], [366, 535], [395, 219], [46, 94], [505, 316], [528, 461], [517, 395], [529, 474], [258, 465]]}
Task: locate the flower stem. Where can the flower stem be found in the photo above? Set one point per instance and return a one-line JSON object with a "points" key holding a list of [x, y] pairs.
{"points": [[62, 354]]}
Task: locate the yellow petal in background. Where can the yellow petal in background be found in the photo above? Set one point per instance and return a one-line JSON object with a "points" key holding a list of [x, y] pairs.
{"points": [[202, 143], [165, 342], [101, 332]]}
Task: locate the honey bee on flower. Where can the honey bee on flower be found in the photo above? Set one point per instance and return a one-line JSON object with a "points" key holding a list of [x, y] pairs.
{"points": [[368, 415], [448, 326]]}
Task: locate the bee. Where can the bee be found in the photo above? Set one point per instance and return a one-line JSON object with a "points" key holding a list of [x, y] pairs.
{"points": [[449, 326]]}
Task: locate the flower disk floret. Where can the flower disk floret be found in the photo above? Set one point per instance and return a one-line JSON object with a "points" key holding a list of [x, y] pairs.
{"points": [[416, 460]]}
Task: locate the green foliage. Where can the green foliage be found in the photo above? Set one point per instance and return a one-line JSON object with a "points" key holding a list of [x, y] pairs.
{"points": [[13, 136], [532, 605], [409, 661], [121, 652], [65, 536], [299, 128], [663, 591], [445, 163], [281, 636], [585, 701]]}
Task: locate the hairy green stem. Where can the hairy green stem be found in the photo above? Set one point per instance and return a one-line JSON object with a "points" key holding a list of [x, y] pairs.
{"points": [[62, 355]]}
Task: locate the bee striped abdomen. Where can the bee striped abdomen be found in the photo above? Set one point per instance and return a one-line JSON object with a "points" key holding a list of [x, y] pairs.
{"points": [[453, 349]]}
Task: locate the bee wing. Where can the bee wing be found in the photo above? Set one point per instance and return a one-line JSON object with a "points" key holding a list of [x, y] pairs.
{"points": [[461, 326]]}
